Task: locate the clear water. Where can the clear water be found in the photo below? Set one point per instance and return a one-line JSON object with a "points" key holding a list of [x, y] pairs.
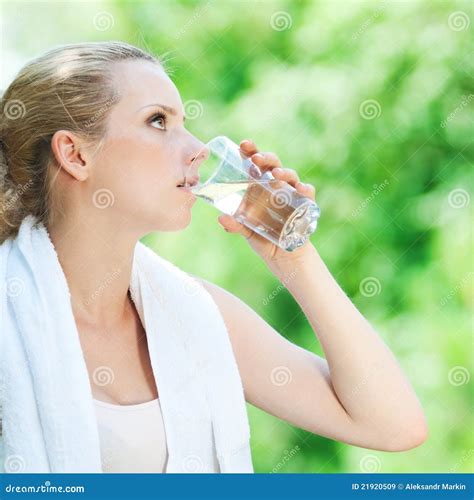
{"points": [[270, 207]]}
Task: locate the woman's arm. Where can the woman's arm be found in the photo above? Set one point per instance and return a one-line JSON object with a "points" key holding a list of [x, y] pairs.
{"points": [[358, 394]]}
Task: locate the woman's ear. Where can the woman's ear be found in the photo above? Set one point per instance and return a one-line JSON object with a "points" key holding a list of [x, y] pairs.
{"points": [[69, 151]]}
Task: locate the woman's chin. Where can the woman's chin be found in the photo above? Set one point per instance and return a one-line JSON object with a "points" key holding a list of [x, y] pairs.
{"points": [[177, 222]]}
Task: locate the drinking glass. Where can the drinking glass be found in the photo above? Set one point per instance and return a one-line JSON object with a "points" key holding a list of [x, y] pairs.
{"points": [[270, 207]]}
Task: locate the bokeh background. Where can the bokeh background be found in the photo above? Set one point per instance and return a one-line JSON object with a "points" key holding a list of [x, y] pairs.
{"points": [[372, 103]]}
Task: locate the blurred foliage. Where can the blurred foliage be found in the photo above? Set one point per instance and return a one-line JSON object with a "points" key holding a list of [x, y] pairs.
{"points": [[372, 103]]}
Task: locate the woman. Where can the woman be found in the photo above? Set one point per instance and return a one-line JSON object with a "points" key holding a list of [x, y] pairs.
{"points": [[103, 121]]}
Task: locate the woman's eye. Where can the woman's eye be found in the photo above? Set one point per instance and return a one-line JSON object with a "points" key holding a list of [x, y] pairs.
{"points": [[158, 121]]}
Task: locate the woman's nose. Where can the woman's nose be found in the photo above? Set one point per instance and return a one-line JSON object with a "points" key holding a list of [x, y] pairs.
{"points": [[202, 154]]}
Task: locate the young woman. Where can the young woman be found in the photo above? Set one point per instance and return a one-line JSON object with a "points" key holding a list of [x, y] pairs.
{"points": [[94, 121]]}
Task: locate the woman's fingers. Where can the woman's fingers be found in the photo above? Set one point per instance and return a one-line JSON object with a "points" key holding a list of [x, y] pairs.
{"points": [[307, 190], [269, 161], [232, 225], [291, 177], [266, 161], [248, 147], [286, 174]]}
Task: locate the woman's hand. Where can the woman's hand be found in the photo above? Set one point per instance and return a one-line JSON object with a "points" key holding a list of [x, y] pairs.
{"points": [[271, 253]]}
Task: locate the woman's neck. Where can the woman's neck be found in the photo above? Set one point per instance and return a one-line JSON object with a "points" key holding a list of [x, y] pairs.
{"points": [[97, 262]]}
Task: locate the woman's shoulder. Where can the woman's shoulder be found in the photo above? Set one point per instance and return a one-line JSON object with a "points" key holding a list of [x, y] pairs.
{"points": [[218, 293], [233, 309]]}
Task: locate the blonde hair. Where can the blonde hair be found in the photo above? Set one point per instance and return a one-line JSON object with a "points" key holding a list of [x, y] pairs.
{"points": [[69, 87]]}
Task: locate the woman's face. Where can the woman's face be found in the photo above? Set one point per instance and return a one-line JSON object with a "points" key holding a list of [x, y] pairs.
{"points": [[146, 152]]}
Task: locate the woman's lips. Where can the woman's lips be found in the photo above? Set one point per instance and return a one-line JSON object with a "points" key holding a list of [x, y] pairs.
{"points": [[187, 189], [191, 180], [188, 183]]}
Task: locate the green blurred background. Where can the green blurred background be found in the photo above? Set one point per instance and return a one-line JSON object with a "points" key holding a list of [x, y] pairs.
{"points": [[372, 103]]}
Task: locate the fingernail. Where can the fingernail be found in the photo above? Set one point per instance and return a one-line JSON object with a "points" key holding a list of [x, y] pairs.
{"points": [[222, 225], [277, 170]]}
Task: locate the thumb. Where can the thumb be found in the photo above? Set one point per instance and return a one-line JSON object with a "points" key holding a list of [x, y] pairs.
{"points": [[232, 225]]}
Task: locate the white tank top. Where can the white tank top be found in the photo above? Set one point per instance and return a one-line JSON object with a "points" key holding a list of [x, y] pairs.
{"points": [[132, 437]]}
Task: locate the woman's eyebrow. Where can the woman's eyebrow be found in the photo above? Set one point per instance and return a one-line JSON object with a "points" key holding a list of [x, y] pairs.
{"points": [[166, 108]]}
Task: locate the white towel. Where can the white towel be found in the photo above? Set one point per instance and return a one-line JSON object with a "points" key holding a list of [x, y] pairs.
{"points": [[49, 422]]}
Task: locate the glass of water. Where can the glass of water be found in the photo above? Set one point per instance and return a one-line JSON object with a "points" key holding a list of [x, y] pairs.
{"points": [[270, 207]]}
